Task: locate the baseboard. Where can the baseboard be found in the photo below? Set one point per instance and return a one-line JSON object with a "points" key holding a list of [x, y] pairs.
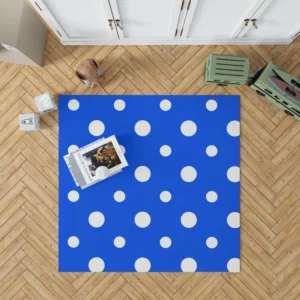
{"points": [[179, 42]]}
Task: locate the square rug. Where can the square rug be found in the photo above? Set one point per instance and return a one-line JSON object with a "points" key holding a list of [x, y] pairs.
{"points": [[175, 208]]}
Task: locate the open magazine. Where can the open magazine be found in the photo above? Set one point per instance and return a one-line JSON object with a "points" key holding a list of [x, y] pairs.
{"points": [[86, 163]]}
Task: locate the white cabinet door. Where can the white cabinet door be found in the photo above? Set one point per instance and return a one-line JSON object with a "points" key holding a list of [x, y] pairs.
{"points": [[146, 19], [278, 19], [88, 20], [217, 19]]}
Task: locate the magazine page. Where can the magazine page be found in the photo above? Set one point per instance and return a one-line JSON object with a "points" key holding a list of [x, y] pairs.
{"points": [[106, 152], [67, 159], [90, 184]]}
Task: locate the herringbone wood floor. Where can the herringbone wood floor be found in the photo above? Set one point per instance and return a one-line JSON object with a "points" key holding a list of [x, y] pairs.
{"points": [[270, 167]]}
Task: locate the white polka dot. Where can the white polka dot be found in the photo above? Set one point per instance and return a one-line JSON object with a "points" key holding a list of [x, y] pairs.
{"points": [[142, 219], [123, 149], [233, 265], [72, 148], [211, 196], [188, 265], [119, 196], [119, 104], [188, 220], [142, 265], [165, 196], [188, 174], [211, 242], [165, 105], [142, 174], [188, 128], [165, 242], [73, 196], [73, 241], [165, 150], [211, 150], [233, 128], [233, 174], [102, 172], [96, 264], [96, 128], [142, 128], [211, 105], [233, 220], [96, 219], [73, 104], [119, 242]]}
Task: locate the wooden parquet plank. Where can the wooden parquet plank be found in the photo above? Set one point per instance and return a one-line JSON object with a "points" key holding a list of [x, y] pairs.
{"points": [[14, 288], [157, 61], [270, 176], [9, 75], [49, 269], [148, 78], [34, 287], [147, 64], [164, 54], [60, 50]]}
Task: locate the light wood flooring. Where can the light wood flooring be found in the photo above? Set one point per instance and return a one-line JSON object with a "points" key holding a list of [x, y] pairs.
{"points": [[270, 177]]}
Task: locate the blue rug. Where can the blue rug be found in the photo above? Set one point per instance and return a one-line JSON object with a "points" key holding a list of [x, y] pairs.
{"points": [[175, 208]]}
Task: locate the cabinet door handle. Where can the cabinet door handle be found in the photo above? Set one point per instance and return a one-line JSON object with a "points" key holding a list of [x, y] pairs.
{"points": [[254, 23], [110, 21], [246, 22], [118, 21]]}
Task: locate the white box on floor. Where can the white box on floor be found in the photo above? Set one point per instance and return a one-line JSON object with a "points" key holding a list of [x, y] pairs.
{"points": [[45, 103], [29, 122]]}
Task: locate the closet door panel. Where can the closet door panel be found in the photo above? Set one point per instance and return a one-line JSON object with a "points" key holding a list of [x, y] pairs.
{"points": [[146, 18], [216, 18], [86, 19], [280, 19]]}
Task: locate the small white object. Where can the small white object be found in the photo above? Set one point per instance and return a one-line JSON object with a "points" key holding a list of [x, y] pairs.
{"points": [[188, 265], [211, 196], [233, 265], [188, 174], [73, 241], [211, 105], [165, 242], [165, 105], [233, 128], [119, 242], [72, 148], [96, 219], [211, 150], [233, 174], [102, 172], [233, 220], [142, 265], [142, 219], [165, 150], [119, 196], [29, 122], [188, 128], [119, 105], [142, 128], [73, 196], [142, 174], [188, 220], [45, 103], [96, 128], [165, 196], [212, 242], [73, 104], [96, 264]]}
